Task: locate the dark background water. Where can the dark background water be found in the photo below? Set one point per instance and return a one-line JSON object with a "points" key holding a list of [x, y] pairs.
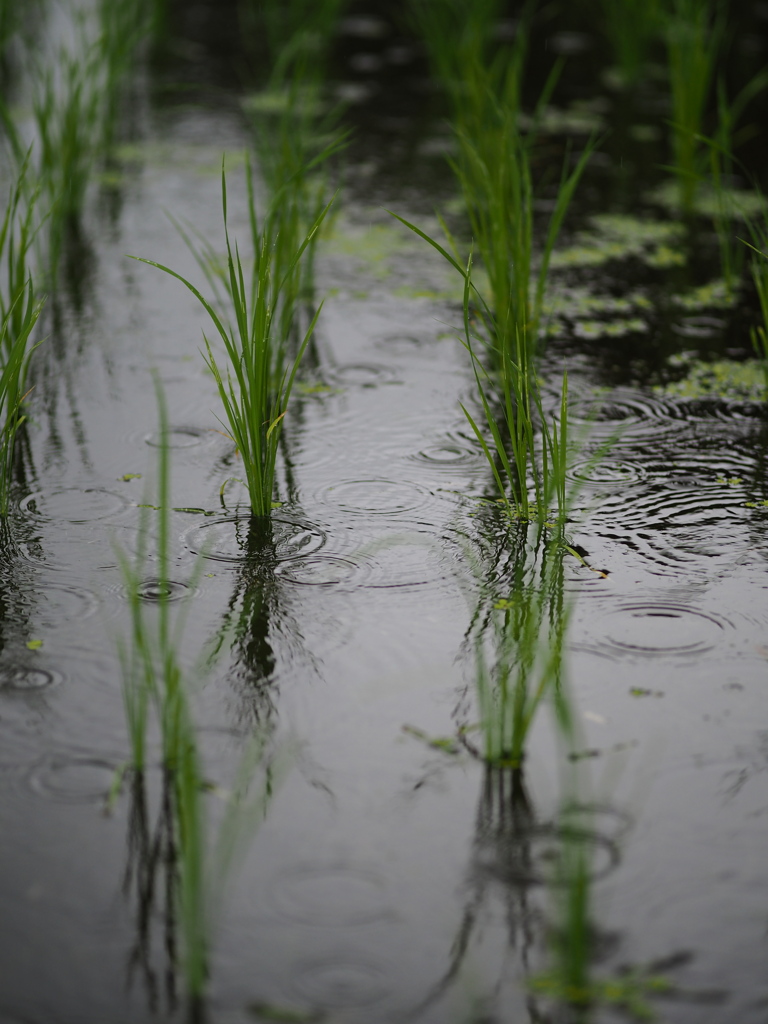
{"points": [[386, 882]]}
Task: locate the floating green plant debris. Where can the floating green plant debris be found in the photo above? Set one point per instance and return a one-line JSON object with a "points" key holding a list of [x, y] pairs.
{"points": [[664, 257], [641, 691], [580, 118], [130, 476], [644, 133], [756, 504], [618, 236], [590, 330], [723, 379], [739, 203], [182, 508], [34, 645], [578, 303], [316, 388], [732, 481], [628, 992], [280, 101], [445, 744], [713, 295]]}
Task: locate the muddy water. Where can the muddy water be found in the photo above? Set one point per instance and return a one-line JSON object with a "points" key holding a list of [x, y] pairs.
{"points": [[389, 881]]}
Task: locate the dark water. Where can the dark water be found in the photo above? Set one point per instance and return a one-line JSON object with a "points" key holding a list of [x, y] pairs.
{"points": [[389, 881]]}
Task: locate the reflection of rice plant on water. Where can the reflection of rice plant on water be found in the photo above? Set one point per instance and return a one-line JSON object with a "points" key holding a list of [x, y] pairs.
{"points": [[158, 695], [256, 381], [519, 648]]}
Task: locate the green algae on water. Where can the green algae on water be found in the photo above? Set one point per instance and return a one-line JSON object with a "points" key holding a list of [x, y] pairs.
{"points": [[725, 378], [618, 237]]}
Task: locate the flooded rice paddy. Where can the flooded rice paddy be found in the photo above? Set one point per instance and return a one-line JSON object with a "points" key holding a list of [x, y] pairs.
{"points": [[394, 876]]}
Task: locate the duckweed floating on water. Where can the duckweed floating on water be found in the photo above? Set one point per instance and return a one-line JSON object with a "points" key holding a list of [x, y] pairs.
{"points": [[725, 378]]}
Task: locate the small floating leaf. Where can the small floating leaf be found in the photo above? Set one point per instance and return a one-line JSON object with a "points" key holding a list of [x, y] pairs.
{"points": [[34, 645], [130, 476]]}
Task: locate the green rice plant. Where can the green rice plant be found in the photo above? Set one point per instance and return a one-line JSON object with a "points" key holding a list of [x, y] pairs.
{"points": [[20, 308], [458, 36], [295, 130], [721, 166], [255, 383], [526, 454], [631, 28], [76, 105], [759, 269], [294, 147], [694, 32], [494, 168], [297, 33]]}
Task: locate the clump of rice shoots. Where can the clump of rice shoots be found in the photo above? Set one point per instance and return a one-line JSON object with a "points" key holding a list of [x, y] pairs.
{"points": [[256, 372], [20, 307], [493, 167], [694, 31]]}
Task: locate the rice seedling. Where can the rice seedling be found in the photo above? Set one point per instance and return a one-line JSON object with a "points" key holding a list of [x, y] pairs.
{"points": [[20, 308], [294, 152], [631, 29], [759, 267], [694, 32], [76, 102], [256, 382], [721, 166], [494, 169], [298, 35], [457, 37], [295, 131], [526, 454]]}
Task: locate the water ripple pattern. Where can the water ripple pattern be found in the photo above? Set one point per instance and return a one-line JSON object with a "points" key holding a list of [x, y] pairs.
{"points": [[227, 539], [375, 497], [72, 779], [361, 375], [652, 629], [73, 505], [342, 982], [533, 855], [330, 896], [28, 679]]}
